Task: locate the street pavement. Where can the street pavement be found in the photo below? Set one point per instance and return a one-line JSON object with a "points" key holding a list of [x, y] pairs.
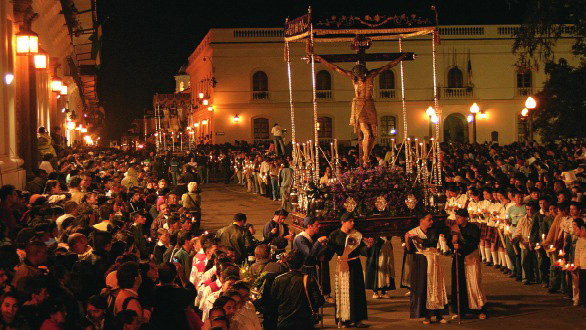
{"points": [[510, 304]]}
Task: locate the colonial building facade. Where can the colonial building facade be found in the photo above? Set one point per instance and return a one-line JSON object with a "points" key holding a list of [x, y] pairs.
{"points": [[239, 85], [29, 97]]}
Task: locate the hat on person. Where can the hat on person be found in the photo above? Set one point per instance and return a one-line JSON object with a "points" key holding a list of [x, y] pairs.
{"points": [[308, 221], [281, 212], [112, 281], [462, 213], [37, 199], [98, 301], [347, 216]]}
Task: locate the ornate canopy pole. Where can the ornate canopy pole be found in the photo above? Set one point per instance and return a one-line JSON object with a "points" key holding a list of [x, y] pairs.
{"points": [[291, 103], [408, 167], [294, 152], [438, 173], [314, 98]]}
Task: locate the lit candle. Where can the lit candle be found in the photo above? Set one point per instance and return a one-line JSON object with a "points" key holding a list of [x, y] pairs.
{"points": [[332, 155], [542, 237], [416, 149], [424, 149], [393, 147], [305, 150], [336, 147]]}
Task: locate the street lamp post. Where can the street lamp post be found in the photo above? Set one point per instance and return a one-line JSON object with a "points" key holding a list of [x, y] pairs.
{"points": [[530, 104], [474, 110], [430, 113]]}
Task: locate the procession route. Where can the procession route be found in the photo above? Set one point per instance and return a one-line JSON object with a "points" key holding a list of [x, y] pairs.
{"points": [[510, 303]]}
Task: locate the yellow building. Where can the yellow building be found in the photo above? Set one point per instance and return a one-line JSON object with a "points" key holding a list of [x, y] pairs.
{"points": [[29, 97], [241, 76]]}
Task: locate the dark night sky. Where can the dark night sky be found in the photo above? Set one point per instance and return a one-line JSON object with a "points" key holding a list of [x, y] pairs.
{"points": [[146, 41]]}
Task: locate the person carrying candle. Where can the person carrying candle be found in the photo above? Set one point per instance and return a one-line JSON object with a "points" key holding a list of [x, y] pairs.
{"points": [[579, 267], [522, 236], [541, 224], [468, 295], [514, 214]]}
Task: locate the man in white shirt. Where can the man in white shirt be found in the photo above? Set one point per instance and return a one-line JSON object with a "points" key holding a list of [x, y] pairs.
{"points": [[277, 132]]}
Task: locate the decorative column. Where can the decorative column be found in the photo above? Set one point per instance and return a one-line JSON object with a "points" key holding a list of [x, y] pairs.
{"points": [[26, 92]]}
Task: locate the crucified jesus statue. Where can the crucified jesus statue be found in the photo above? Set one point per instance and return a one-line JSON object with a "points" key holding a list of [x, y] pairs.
{"points": [[363, 116]]}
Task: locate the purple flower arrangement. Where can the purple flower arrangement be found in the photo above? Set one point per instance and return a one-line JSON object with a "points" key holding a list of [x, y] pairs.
{"points": [[366, 185]]}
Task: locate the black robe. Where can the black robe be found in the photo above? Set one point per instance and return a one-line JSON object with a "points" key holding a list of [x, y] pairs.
{"points": [[358, 308], [372, 268], [469, 240], [418, 278]]}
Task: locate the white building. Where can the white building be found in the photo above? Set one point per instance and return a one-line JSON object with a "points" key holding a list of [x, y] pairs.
{"points": [[474, 65]]}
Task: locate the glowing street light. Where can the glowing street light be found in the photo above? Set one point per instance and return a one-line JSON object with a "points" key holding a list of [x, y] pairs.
{"points": [[530, 104], [8, 78], [430, 113], [27, 43], [474, 109], [56, 84]]}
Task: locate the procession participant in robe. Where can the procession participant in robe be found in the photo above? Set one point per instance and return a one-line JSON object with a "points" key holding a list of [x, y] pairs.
{"points": [[380, 268], [467, 290], [311, 247], [348, 244], [484, 209], [428, 291], [505, 202], [491, 240]]}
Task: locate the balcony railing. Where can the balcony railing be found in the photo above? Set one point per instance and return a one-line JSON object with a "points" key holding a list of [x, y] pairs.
{"points": [[260, 95], [524, 91], [386, 94], [457, 93], [323, 94]]}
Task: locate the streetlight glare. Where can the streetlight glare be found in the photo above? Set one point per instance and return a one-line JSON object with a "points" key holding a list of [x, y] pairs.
{"points": [[470, 118], [530, 103], [474, 108], [430, 111], [434, 119], [524, 112]]}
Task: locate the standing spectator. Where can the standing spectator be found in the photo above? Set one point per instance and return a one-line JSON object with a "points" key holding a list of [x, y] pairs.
{"points": [[237, 237], [277, 132], [296, 295], [129, 280], [172, 302], [276, 232], [192, 199], [183, 255], [174, 169]]}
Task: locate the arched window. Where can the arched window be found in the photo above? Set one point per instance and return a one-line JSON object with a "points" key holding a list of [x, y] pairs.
{"points": [[386, 85], [260, 128], [325, 128], [260, 86], [323, 85], [455, 78], [524, 83], [388, 126]]}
